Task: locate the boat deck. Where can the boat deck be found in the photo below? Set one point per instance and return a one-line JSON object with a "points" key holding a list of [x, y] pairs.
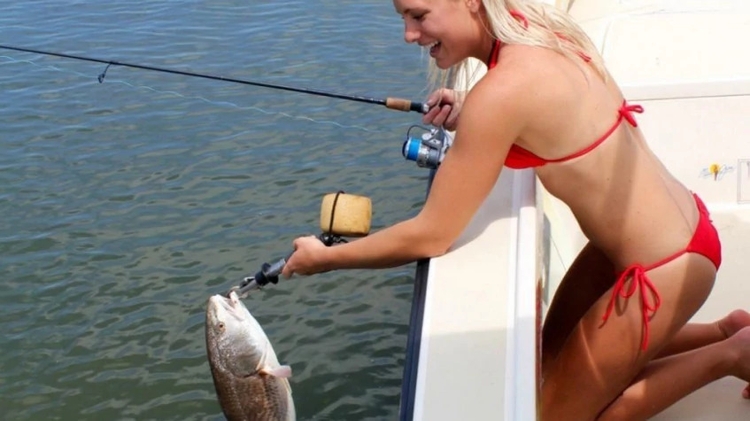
{"points": [[722, 399]]}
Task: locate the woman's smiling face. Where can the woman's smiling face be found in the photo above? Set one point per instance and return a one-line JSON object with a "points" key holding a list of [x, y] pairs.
{"points": [[448, 28]]}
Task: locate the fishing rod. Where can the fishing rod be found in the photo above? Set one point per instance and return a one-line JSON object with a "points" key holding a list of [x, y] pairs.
{"points": [[392, 103]]}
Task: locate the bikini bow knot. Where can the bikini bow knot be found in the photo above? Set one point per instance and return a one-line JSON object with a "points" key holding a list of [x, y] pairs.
{"points": [[627, 110], [638, 281]]}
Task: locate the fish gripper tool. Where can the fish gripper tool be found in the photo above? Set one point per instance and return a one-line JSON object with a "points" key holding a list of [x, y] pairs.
{"points": [[269, 272], [355, 222]]}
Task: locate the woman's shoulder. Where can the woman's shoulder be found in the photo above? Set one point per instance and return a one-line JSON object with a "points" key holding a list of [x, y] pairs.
{"points": [[527, 75], [540, 66]]}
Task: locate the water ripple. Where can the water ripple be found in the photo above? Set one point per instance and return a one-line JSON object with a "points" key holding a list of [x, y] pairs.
{"points": [[126, 204]]}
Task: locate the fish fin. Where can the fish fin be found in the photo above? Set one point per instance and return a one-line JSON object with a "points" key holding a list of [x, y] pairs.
{"points": [[283, 371], [289, 387], [262, 362]]}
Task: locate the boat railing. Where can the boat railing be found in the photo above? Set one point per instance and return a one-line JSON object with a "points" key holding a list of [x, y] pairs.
{"points": [[472, 351]]}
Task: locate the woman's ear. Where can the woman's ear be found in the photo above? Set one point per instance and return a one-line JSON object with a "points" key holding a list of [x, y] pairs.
{"points": [[474, 5]]}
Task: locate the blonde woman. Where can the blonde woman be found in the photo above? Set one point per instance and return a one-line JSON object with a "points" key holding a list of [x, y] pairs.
{"points": [[616, 342]]}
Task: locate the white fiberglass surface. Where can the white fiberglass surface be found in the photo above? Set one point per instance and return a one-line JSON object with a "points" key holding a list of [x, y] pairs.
{"points": [[720, 400]]}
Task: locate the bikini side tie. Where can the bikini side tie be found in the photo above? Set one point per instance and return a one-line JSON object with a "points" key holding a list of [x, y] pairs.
{"points": [[638, 278]]}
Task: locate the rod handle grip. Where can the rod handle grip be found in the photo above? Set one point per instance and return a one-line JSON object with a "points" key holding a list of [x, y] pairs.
{"points": [[405, 105]]}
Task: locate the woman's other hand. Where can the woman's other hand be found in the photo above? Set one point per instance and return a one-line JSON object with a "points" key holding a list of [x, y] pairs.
{"points": [[445, 105]]}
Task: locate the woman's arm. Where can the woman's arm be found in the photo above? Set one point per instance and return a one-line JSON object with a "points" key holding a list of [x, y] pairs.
{"points": [[493, 116]]}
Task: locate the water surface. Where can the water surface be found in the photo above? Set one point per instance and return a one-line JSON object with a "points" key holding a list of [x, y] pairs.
{"points": [[126, 204]]}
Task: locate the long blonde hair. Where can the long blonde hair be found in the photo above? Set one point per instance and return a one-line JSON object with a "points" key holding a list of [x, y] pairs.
{"points": [[535, 23]]}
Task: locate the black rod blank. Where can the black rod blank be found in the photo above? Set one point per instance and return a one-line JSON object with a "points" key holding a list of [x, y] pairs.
{"points": [[392, 103]]}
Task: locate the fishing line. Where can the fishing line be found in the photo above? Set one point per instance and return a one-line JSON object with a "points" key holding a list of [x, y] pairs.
{"points": [[392, 103], [227, 104]]}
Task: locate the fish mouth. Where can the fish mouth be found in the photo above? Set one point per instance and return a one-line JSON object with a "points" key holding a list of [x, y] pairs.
{"points": [[233, 298], [228, 301], [229, 304]]}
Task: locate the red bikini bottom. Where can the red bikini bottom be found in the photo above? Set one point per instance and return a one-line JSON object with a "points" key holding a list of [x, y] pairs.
{"points": [[705, 241]]}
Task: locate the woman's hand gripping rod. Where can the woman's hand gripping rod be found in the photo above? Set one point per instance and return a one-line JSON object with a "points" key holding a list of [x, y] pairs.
{"points": [[341, 215]]}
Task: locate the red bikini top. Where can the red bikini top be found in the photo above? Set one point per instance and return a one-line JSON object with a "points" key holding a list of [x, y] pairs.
{"points": [[519, 157]]}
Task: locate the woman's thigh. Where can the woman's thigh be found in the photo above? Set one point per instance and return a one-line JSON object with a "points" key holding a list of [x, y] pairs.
{"points": [[590, 276], [599, 360]]}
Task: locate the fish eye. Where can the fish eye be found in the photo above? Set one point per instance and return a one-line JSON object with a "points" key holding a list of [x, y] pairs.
{"points": [[220, 326]]}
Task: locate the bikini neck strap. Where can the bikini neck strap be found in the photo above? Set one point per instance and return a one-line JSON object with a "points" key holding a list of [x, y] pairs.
{"points": [[494, 53]]}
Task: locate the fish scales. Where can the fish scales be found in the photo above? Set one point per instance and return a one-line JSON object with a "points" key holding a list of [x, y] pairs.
{"points": [[250, 383]]}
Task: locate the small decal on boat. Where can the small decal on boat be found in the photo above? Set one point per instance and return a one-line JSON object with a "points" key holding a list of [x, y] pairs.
{"points": [[716, 171]]}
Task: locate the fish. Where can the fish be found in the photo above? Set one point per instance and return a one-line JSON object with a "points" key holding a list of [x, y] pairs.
{"points": [[250, 383]]}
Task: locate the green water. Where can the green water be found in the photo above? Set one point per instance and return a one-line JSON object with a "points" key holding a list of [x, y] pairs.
{"points": [[125, 204]]}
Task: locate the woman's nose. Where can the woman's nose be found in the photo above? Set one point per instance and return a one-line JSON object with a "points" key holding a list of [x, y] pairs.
{"points": [[411, 34]]}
